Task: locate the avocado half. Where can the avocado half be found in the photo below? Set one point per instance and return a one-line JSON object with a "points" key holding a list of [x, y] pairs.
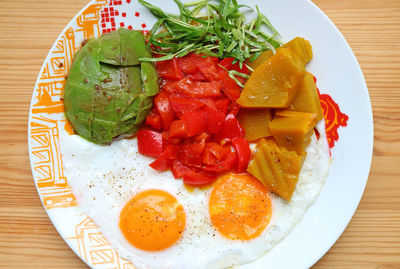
{"points": [[109, 92]]}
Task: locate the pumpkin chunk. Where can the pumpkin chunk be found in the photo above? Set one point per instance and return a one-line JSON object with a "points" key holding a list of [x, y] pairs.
{"points": [[274, 83], [276, 167], [293, 130], [301, 47], [307, 98], [260, 59], [255, 123]]}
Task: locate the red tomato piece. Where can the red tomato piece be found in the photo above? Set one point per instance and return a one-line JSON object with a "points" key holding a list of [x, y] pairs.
{"points": [[189, 63], [208, 157], [174, 151], [153, 119], [208, 68], [195, 122], [243, 152], [150, 143], [162, 103], [230, 128], [170, 69], [191, 154], [182, 104], [177, 129], [199, 178], [217, 150], [197, 89], [169, 86], [179, 169], [229, 86], [227, 164], [198, 76], [227, 63], [222, 104], [215, 118], [162, 163]]}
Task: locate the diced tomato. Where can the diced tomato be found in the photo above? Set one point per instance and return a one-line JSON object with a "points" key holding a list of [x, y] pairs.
{"points": [[179, 169], [229, 163], [162, 163], [243, 151], [177, 129], [189, 63], [234, 108], [208, 68], [195, 122], [229, 86], [150, 143], [217, 150], [174, 151], [230, 128], [169, 86], [162, 103], [227, 63], [199, 178], [201, 137], [198, 76], [208, 157], [215, 118], [170, 69], [182, 104], [222, 104], [197, 89], [153, 119]]}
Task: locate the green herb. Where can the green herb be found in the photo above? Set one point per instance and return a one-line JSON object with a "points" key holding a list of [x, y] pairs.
{"points": [[214, 28]]}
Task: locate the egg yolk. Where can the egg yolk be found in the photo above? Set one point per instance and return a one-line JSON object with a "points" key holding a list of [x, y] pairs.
{"points": [[240, 207], [152, 220]]}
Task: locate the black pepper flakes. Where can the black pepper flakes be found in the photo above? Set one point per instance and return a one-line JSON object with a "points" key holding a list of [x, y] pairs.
{"points": [[60, 65], [86, 80], [84, 42], [107, 80], [109, 98]]}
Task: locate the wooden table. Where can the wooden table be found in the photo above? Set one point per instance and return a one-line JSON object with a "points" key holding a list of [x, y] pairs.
{"points": [[28, 29]]}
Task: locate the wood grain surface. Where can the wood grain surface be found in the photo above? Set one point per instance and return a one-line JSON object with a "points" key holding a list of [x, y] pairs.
{"points": [[29, 28]]}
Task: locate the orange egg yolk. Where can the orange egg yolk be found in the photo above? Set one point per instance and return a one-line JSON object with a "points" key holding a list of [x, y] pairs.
{"points": [[240, 207], [152, 220]]}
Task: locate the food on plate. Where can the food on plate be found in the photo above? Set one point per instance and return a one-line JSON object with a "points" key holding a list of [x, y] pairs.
{"points": [[225, 161], [301, 47], [293, 130], [307, 98], [274, 84], [276, 167], [108, 92], [255, 123]]}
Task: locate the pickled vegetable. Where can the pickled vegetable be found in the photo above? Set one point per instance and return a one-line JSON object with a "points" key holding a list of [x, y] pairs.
{"points": [[293, 130], [276, 167], [260, 59], [255, 123], [301, 47], [274, 84], [307, 98]]}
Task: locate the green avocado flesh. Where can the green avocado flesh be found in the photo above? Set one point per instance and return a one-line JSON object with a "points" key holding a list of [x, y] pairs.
{"points": [[108, 92]]}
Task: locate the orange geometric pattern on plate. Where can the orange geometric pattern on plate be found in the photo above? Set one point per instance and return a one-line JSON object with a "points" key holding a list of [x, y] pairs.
{"points": [[334, 118], [47, 163], [94, 248], [44, 132]]}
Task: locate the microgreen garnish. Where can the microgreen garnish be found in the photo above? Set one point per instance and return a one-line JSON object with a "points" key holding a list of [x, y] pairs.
{"points": [[214, 28]]}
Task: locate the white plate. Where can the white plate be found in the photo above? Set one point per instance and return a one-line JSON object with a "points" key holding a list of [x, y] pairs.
{"points": [[339, 78]]}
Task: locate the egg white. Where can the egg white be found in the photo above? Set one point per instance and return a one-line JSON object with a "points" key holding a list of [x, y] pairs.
{"points": [[104, 178]]}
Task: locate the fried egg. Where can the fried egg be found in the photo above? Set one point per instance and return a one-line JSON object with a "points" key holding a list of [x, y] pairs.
{"points": [[155, 221]]}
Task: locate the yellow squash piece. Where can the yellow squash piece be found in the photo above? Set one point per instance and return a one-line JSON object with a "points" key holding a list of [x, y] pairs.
{"points": [[293, 130], [255, 123], [260, 59], [307, 98], [301, 47], [276, 167], [274, 83]]}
